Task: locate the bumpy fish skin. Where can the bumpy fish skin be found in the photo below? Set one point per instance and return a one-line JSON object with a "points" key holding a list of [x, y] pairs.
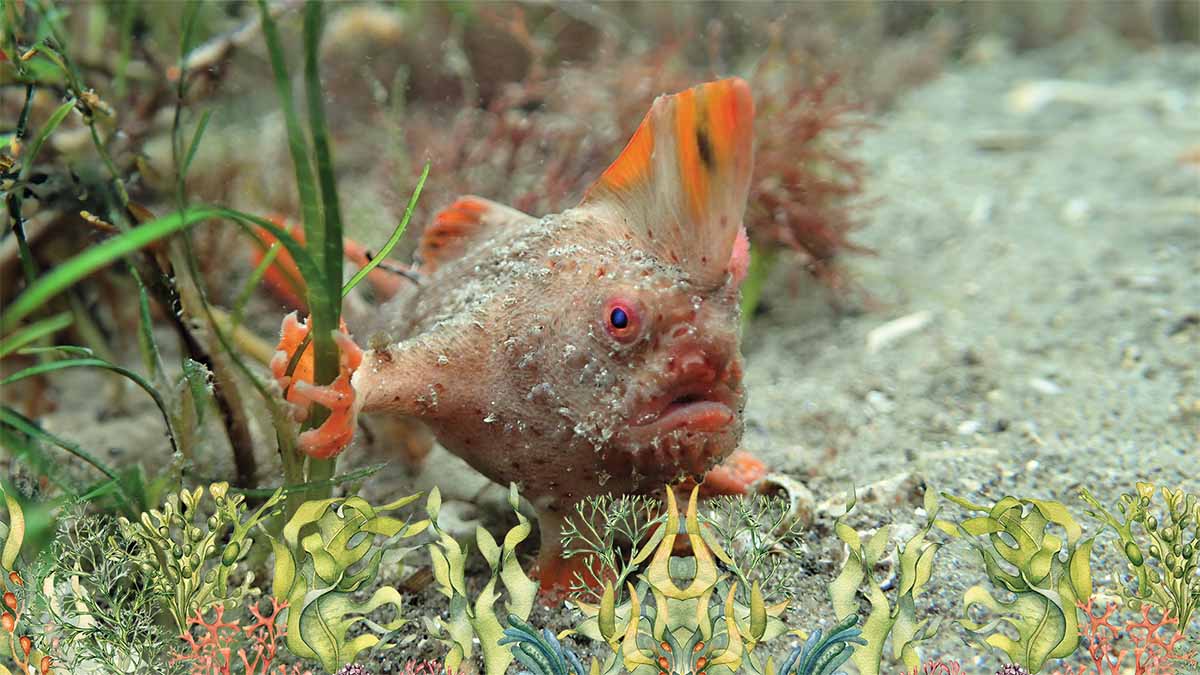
{"points": [[594, 350], [520, 377]]}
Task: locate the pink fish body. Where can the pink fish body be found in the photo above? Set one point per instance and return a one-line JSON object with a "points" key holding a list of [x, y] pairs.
{"points": [[594, 350]]}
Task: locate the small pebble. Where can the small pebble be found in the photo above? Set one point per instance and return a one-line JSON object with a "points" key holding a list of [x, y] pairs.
{"points": [[1075, 211], [880, 401], [1044, 386], [1006, 141], [802, 504], [989, 49], [1028, 98], [895, 329], [969, 427], [981, 210], [902, 532], [1146, 282]]}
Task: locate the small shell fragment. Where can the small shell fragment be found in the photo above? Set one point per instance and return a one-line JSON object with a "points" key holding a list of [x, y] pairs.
{"points": [[801, 502], [895, 329]]}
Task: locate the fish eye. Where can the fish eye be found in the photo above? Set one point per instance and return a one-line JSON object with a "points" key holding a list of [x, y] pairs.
{"points": [[622, 320]]}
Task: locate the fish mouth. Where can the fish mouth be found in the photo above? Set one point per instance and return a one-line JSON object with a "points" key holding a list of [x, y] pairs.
{"points": [[687, 428], [704, 406]]}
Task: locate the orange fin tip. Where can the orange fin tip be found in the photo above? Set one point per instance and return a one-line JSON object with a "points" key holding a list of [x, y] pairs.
{"points": [[682, 181], [455, 227]]}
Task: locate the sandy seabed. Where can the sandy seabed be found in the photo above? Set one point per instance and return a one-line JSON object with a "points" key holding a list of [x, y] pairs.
{"points": [[1041, 240]]}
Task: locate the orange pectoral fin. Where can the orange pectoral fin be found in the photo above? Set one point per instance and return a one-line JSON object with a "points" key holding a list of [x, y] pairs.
{"points": [[734, 476], [456, 226], [386, 282], [282, 277], [446, 238], [335, 433]]}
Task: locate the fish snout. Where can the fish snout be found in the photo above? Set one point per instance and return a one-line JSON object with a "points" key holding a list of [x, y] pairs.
{"points": [[688, 417], [701, 361], [692, 363]]}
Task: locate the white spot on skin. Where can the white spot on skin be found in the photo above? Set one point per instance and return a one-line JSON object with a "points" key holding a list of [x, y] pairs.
{"points": [[433, 396]]}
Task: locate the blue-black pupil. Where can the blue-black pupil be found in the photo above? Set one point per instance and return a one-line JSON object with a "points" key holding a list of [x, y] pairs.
{"points": [[619, 318]]}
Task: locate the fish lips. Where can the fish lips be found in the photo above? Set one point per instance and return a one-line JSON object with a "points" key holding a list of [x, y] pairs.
{"points": [[702, 404], [685, 431]]}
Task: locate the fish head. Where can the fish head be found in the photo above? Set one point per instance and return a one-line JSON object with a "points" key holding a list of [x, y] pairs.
{"points": [[607, 357], [673, 345], [644, 292]]}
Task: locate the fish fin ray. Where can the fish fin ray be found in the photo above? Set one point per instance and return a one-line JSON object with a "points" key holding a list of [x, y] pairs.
{"points": [[680, 185], [456, 227]]}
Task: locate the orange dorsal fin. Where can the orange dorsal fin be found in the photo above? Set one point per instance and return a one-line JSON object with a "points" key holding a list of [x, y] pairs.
{"points": [[455, 227], [680, 185]]}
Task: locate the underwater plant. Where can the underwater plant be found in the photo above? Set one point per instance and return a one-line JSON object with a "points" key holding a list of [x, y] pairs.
{"points": [[614, 535], [761, 533], [13, 637], [611, 536], [807, 179], [699, 626], [938, 668], [1047, 576], [35, 45], [1155, 644], [100, 606], [476, 617], [35, 63], [192, 550], [542, 653], [327, 553], [913, 565], [822, 654], [212, 650], [158, 254], [1163, 558]]}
